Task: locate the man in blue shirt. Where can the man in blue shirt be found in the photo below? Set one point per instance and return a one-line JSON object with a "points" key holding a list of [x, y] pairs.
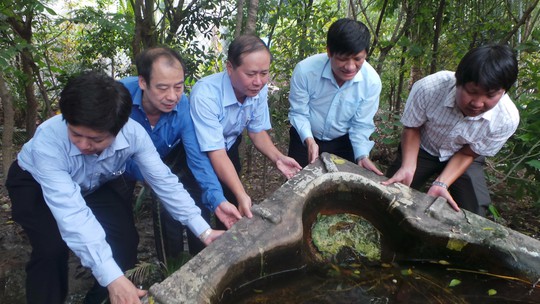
{"points": [[162, 108], [334, 97], [226, 103], [64, 193]]}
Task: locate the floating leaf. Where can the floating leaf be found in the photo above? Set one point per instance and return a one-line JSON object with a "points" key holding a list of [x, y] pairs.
{"points": [[454, 282], [492, 292], [406, 272], [456, 245]]}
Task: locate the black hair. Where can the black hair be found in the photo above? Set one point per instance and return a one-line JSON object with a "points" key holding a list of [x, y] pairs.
{"points": [[492, 67], [146, 59], [96, 101], [242, 45], [347, 37]]}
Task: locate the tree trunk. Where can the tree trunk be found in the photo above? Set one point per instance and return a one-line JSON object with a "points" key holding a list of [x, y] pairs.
{"points": [[9, 124], [31, 100], [145, 26], [251, 23], [436, 35], [239, 18]]}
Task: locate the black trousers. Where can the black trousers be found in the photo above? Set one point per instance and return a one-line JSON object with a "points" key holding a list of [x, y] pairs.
{"points": [[340, 146], [470, 189], [234, 155], [47, 270], [168, 232]]}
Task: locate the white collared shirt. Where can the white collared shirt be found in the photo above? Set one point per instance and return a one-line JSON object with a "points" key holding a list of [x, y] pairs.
{"points": [[218, 116], [445, 130]]}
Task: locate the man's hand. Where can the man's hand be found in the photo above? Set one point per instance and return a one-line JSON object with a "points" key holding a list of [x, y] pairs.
{"points": [[312, 150], [288, 166], [403, 175], [227, 214], [122, 291], [437, 191], [366, 163], [244, 206], [214, 234]]}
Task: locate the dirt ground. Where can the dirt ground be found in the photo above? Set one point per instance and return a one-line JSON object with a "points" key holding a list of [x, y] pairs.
{"points": [[260, 178]]}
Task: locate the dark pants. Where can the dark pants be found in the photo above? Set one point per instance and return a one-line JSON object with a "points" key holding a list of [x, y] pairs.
{"points": [[234, 155], [47, 270], [340, 146], [470, 189], [168, 232]]}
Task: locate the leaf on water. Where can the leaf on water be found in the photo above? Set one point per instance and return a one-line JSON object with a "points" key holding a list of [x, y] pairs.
{"points": [[492, 292], [454, 282], [456, 245], [406, 272]]}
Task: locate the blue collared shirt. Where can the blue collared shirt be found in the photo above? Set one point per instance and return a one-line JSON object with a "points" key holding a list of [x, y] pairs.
{"points": [[66, 176], [218, 116], [321, 109], [171, 129]]}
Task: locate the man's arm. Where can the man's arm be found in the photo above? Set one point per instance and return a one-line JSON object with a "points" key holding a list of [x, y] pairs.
{"points": [[203, 171], [299, 113], [226, 172], [410, 145], [362, 124], [286, 165], [457, 165]]}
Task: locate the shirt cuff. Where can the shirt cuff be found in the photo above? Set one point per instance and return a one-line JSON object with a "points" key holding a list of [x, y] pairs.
{"points": [[217, 199], [198, 225], [107, 272]]}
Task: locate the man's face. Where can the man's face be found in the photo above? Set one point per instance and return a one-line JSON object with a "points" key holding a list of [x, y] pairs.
{"points": [[89, 141], [345, 67], [166, 86], [250, 77], [474, 100]]}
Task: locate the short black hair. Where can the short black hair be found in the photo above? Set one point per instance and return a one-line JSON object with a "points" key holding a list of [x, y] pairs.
{"points": [[96, 101], [242, 45], [348, 37], [492, 67], [146, 59]]}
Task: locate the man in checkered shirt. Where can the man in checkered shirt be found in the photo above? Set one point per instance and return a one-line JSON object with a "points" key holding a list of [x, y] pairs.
{"points": [[452, 121]]}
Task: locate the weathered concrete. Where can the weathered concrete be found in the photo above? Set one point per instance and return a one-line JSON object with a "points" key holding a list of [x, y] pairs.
{"points": [[413, 225]]}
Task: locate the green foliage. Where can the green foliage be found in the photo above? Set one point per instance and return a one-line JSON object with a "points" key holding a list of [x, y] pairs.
{"points": [[518, 164], [106, 38]]}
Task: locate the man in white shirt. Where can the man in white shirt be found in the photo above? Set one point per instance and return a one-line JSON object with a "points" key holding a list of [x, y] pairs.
{"points": [[452, 121], [333, 97]]}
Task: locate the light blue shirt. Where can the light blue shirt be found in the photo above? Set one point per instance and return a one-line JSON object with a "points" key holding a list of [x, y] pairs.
{"points": [[218, 116], [173, 128], [323, 110], [66, 176]]}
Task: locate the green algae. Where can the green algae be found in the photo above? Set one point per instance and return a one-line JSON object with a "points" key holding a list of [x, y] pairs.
{"points": [[332, 233]]}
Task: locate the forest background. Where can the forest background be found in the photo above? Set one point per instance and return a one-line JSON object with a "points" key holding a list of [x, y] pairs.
{"points": [[42, 43]]}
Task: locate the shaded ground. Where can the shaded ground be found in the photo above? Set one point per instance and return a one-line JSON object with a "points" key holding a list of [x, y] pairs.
{"points": [[260, 178]]}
